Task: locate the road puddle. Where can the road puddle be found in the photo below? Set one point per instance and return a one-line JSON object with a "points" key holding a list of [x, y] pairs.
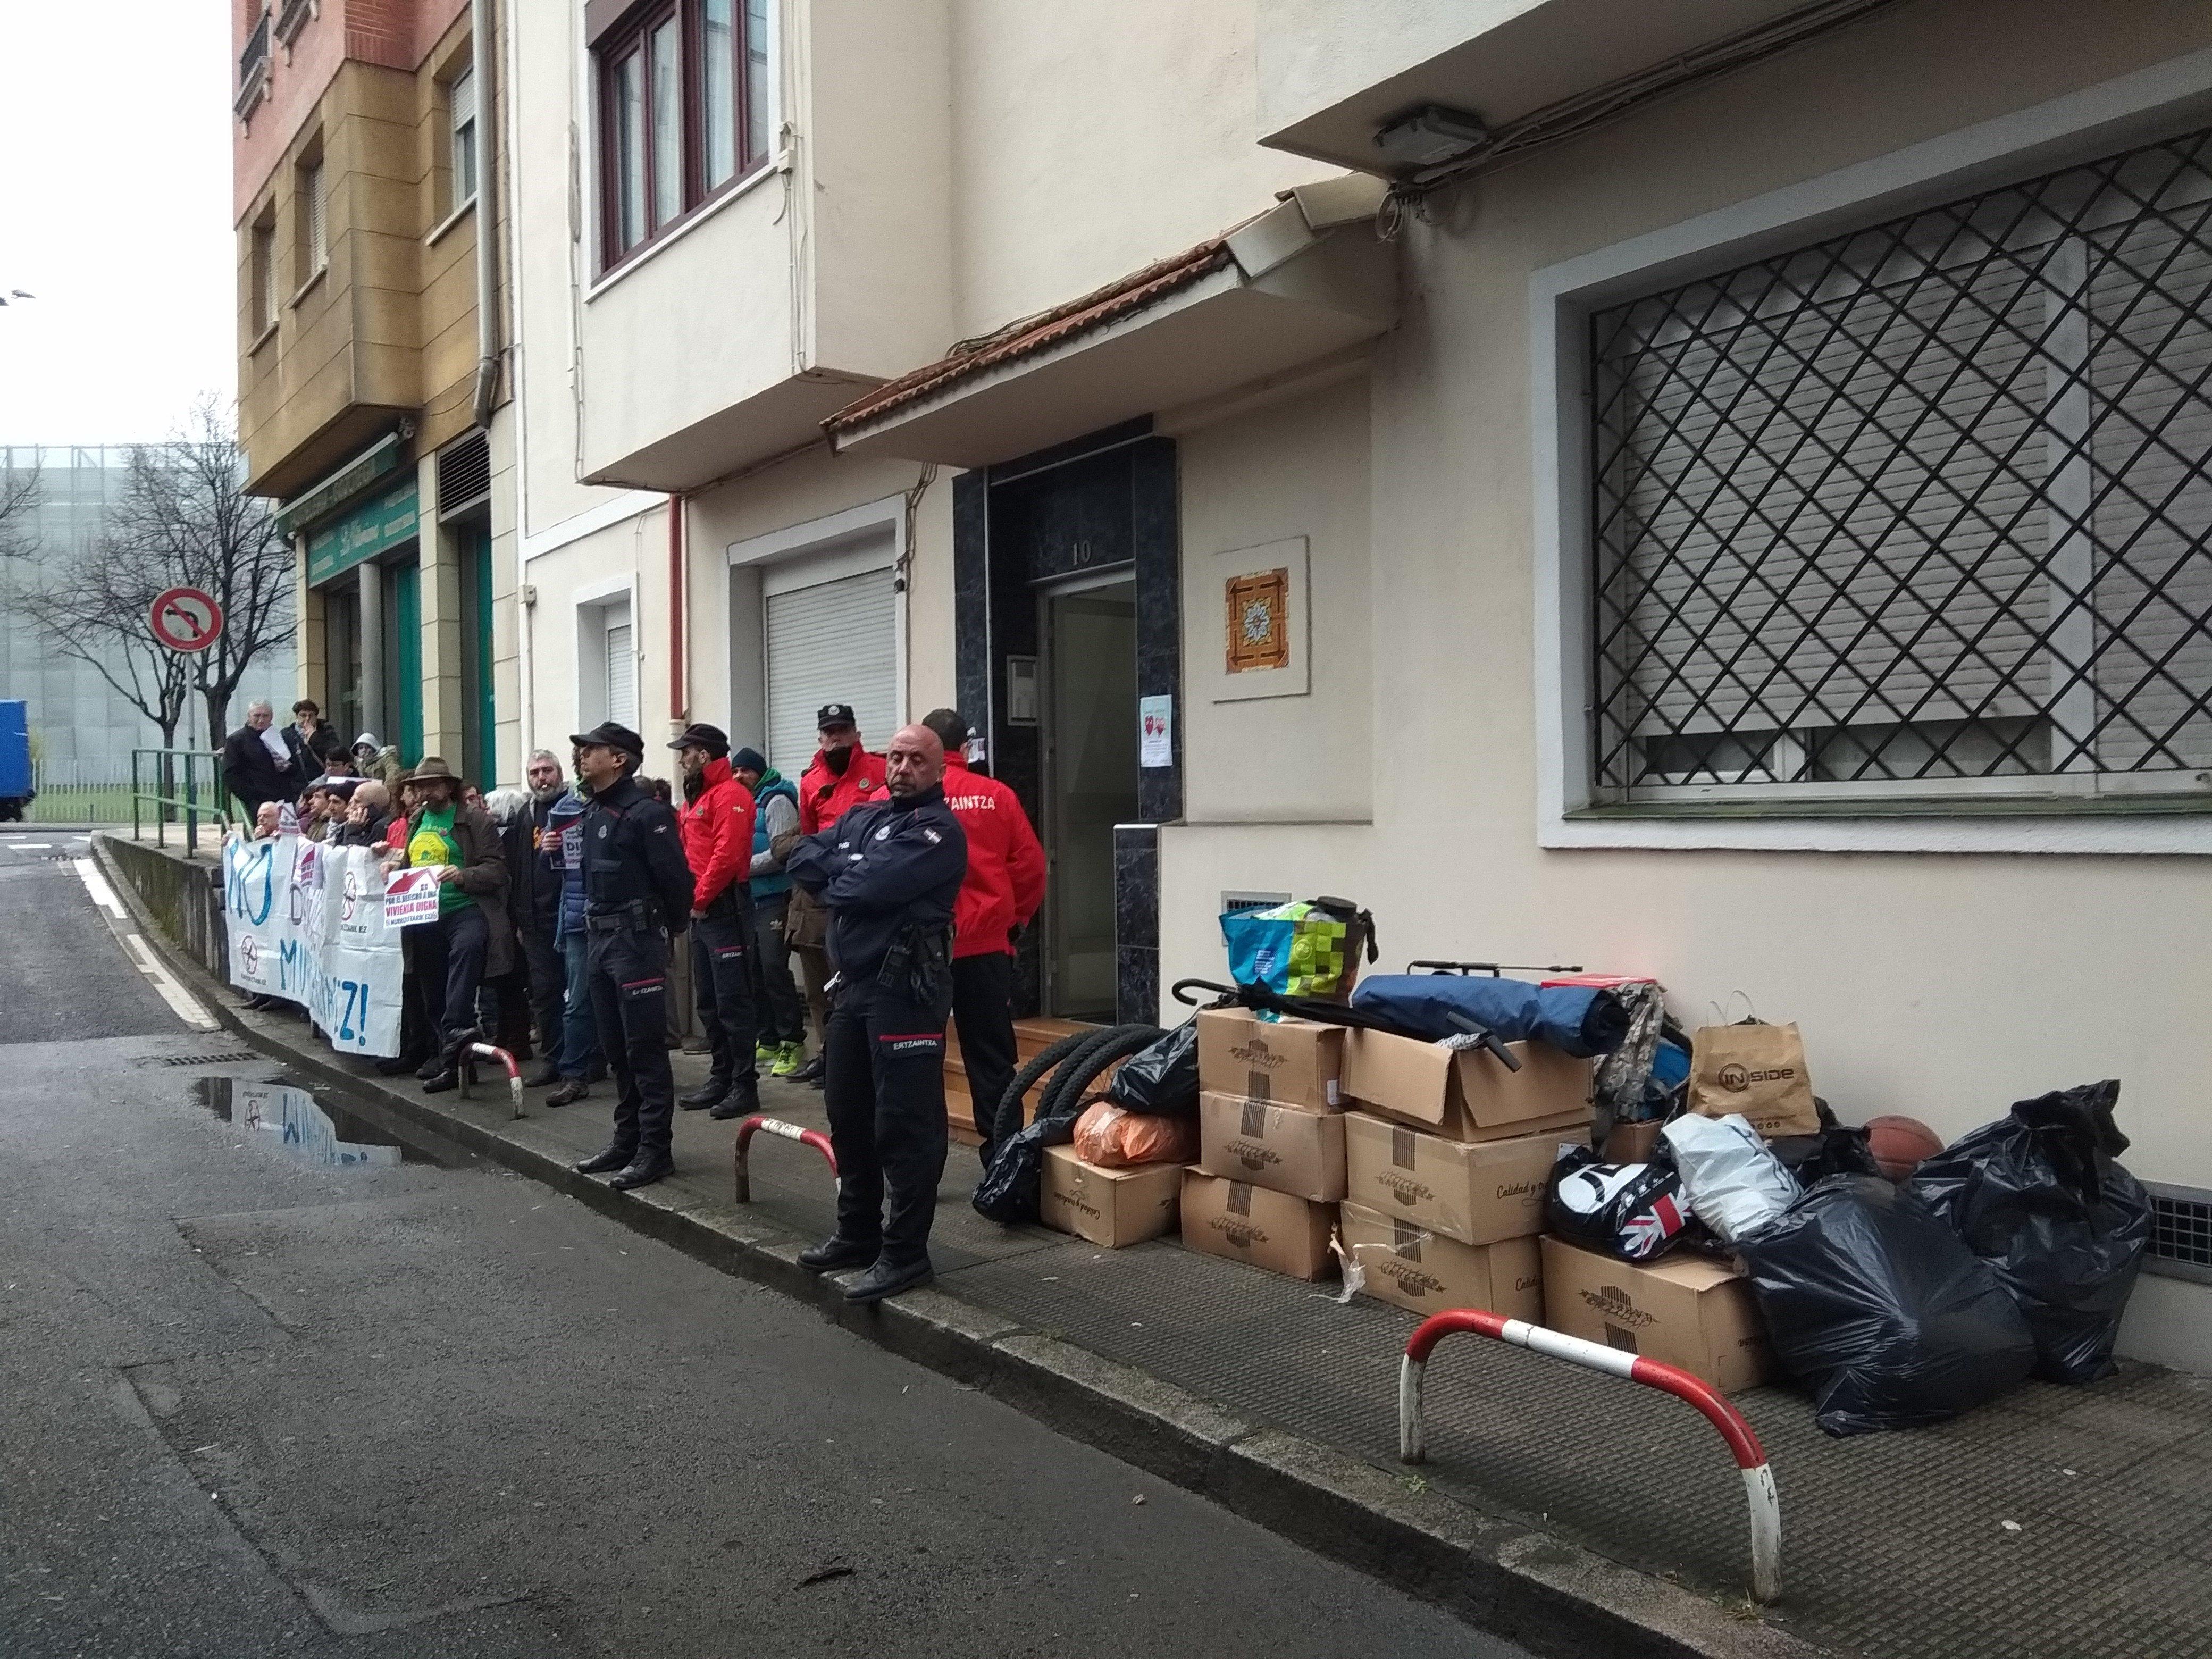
{"points": [[312, 1128]]}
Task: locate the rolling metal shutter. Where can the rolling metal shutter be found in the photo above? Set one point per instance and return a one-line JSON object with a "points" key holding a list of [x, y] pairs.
{"points": [[834, 641], [622, 670]]}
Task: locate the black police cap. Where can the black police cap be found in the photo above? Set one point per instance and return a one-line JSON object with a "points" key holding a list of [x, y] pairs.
{"points": [[834, 714], [608, 735]]}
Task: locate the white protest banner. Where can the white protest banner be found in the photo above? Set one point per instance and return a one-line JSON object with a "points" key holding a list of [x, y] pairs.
{"points": [[409, 896], [306, 922]]}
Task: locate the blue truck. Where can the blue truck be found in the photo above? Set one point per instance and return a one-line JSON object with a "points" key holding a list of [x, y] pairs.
{"points": [[16, 791]]}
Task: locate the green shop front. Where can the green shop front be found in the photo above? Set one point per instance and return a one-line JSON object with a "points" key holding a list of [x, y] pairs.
{"points": [[364, 562], [389, 583]]}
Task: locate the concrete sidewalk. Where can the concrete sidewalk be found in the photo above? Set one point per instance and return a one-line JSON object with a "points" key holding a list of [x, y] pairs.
{"points": [[1573, 1513]]}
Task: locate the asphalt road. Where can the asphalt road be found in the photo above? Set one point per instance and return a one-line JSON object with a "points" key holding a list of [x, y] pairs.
{"points": [[252, 1401]]}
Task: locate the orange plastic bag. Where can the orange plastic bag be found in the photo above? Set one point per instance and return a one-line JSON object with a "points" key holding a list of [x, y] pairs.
{"points": [[1114, 1138]]}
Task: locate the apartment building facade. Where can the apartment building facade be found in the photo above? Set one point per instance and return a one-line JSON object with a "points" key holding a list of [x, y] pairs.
{"points": [[1717, 492], [372, 397]]}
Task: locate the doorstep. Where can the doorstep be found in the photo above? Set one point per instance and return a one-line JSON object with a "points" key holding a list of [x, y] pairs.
{"points": [[1566, 1511]]}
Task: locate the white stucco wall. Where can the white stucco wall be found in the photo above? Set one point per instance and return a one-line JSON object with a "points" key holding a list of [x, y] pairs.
{"points": [[1943, 986], [1295, 469]]}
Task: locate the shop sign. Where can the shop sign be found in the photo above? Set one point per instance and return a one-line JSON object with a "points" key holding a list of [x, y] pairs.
{"points": [[371, 527]]}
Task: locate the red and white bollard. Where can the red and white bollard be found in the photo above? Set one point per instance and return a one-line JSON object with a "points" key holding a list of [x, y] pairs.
{"points": [[1750, 1455], [747, 1127], [485, 1051]]}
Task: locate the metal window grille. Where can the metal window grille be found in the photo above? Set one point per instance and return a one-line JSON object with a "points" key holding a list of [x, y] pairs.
{"points": [[1921, 510], [2181, 1232]]}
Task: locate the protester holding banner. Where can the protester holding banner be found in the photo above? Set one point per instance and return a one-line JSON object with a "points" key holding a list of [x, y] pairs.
{"points": [[471, 937], [368, 816]]}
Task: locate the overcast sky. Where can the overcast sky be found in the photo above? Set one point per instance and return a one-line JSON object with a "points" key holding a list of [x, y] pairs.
{"points": [[115, 211]]}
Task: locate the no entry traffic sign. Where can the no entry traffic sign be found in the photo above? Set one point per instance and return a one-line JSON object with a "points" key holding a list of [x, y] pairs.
{"points": [[185, 619]]}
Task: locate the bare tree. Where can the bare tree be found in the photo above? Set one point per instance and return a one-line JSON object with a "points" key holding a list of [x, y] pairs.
{"points": [[183, 520], [19, 501]]}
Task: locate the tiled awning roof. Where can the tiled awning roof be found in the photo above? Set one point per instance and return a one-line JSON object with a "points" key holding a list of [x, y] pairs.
{"points": [[1031, 335]]}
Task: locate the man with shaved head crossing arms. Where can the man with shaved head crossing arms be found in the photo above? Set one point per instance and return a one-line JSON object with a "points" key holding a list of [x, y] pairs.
{"points": [[889, 871]]}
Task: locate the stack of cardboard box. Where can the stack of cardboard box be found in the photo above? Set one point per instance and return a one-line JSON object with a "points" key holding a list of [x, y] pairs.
{"points": [[1447, 1152], [1271, 1142]]}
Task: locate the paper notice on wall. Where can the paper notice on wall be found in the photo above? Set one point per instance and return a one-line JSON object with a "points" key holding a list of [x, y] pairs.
{"points": [[409, 896], [1156, 747]]}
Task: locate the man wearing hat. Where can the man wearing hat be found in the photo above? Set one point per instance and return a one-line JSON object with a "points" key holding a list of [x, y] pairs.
{"points": [[717, 817], [842, 775], [1004, 888], [637, 891], [470, 940]]}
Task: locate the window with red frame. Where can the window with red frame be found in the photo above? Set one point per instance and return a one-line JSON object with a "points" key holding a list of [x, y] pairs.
{"points": [[683, 92]]}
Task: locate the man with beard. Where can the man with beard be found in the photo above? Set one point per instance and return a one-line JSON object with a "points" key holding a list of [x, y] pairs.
{"points": [[717, 817]]}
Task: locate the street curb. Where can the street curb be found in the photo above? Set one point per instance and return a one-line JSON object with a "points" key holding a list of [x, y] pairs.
{"points": [[1518, 1581]]}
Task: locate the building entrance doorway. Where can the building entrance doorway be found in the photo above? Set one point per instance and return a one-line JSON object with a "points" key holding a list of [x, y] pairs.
{"points": [[1088, 632]]}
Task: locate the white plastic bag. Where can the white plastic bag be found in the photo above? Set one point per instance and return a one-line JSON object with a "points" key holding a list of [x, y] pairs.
{"points": [[1735, 1186]]}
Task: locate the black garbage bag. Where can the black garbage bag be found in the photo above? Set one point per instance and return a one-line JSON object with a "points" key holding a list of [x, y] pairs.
{"points": [[1012, 1188], [1633, 1210], [2037, 1196], [1162, 1079], [1873, 1303], [1838, 1149]]}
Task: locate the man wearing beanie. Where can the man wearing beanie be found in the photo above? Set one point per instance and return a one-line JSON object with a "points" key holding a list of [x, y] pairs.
{"points": [[717, 817], [781, 1016]]}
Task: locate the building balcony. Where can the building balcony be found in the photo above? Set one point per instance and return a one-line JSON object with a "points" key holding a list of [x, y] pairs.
{"points": [[1339, 82], [729, 337], [252, 70], [291, 17]]}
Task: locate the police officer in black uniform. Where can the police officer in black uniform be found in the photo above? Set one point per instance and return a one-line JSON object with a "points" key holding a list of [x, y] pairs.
{"points": [[637, 891], [888, 872]]}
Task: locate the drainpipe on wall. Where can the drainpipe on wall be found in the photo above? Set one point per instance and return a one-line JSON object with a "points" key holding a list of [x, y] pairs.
{"points": [[679, 701], [487, 216]]}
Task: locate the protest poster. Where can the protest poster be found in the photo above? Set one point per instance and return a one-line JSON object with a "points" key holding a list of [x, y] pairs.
{"points": [[409, 896], [306, 922]]}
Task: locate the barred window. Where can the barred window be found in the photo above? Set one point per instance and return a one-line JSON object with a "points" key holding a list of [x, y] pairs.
{"points": [[1921, 510]]}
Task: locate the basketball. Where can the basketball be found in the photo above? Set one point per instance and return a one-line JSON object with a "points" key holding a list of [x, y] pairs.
{"points": [[1900, 1143]]}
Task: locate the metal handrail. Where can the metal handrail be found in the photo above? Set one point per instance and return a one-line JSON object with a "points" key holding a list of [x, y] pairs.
{"points": [[153, 771], [1742, 1441], [750, 1126]]}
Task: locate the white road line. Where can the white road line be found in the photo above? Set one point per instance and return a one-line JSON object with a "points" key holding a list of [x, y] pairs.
{"points": [[172, 993], [180, 1001], [96, 885], [32, 846]]}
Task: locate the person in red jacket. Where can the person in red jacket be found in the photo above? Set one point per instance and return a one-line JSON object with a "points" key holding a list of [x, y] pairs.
{"points": [[717, 821], [1003, 886], [842, 775]]}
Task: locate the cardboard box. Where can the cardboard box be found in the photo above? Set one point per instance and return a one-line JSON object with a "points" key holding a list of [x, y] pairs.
{"points": [[1631, 1143], [1111, 1208], [1476, 1191], [1292, 1149], [1423, 1272], [1298, 1062], [1244, 1223], [1466, 1094], [1683, 1310]]}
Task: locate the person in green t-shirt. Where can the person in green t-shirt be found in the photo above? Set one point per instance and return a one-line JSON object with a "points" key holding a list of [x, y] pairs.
{"points": [[470, 939]]}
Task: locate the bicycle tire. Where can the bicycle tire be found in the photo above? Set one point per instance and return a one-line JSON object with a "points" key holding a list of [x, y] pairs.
{"points": [[1082, 1068], [1006, 1116]]}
